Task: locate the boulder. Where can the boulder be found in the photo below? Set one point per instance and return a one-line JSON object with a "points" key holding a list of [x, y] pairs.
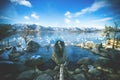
{"points": [[44, 77], [1, 51], [56, 68], [7, 67], [102, 62], [85, 61], [15, 56], [32, 46], [59, 52], [50, 72], [5, 55], [70, 72], [95, 72], [84, 68], [28, 75], [77, 70], [111, 64], [89, 44], [79, 77], [34, 61]]}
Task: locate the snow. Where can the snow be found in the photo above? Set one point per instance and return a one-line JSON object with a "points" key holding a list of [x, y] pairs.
{"points": [[35, 56]]}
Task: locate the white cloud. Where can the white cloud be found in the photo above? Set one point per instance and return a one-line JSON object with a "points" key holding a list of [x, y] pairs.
{"points": [[95, 6], [98, 5], [27, 17], [4, 17], [68, 14], [103, 20], [67, 21], [83, 11], [22, 2], [77, 21], [35, 16], [32, 22]]}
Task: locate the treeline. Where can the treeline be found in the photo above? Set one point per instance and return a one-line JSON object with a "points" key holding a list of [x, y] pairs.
{"points": [[112, 29], [6, 30]]}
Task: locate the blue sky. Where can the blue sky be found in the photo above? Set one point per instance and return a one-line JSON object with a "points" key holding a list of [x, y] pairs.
{"points": [[61, 13]]}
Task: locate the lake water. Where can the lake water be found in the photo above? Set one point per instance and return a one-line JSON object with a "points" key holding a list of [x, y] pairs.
{"points": [[49, 38]]}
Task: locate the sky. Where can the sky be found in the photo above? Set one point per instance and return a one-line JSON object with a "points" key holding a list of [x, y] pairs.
{"points": [[61, 13]]}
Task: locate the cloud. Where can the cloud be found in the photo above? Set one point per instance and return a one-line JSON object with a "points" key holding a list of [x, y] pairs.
{"points": [[22, 2], [35, 16], [103, 20], [5, 18], [67, 17], [67, 21], [32, 16], [68, 14], [27, 17], [77, 21], [95, 6]]}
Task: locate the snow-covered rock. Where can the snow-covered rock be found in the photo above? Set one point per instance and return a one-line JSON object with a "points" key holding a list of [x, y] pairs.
{"points": [[32, 46]]}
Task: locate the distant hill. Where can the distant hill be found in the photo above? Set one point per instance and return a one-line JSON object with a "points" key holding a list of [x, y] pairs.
{"points": [[20, 27], [6, 30]]}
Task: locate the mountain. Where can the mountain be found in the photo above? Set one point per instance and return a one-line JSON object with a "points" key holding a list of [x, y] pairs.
{"points": [[20, 27]]}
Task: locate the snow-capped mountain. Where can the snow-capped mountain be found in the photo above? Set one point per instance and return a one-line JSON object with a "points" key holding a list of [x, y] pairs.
{"points": [[20, 27]]}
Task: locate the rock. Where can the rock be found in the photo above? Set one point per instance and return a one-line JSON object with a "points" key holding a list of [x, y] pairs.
{"points": [[32, 46], [7, 67], [110, 64], [44, 77], [59, 52], [89, 44], [56, 68], [49, 64], [50, 72], [70, 72], [15, 56], [84, 68], [5, 55], [79, 77], [94, 72], [28, 75], [85, 61], [1, 51], [6, 62], [34, 61], [90, 67], [77, 70], [102, 62]]}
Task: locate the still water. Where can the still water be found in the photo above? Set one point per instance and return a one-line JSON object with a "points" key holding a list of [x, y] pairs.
{"points": [[49, 38], [70, 38]]}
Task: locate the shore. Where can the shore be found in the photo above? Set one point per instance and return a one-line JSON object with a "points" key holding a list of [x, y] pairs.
{"points": [[105, 67]]}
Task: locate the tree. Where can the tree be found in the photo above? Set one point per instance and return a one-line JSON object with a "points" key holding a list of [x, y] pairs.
{"points": [[114, 35], [5, 30], [108, 31]]}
